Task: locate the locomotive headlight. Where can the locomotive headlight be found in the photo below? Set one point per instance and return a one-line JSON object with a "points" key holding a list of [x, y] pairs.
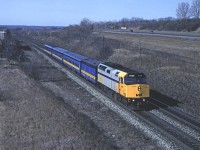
{"points": [[139, 88]]}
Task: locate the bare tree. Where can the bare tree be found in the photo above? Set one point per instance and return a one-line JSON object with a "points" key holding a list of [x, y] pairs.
{"points": [[182, 12], [124, 22], [85, 22], [86, 27], [195, 9]]}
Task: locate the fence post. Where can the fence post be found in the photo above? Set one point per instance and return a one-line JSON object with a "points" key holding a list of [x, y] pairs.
{"points": [[197, 59], [140, 54]]}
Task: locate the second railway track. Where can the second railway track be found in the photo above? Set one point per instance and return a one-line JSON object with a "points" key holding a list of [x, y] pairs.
{"points": [[176, 114]]}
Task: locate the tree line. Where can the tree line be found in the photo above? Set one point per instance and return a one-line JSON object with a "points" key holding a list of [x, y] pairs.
{"points": [[167, 24], [188, 19], [185, 11]]}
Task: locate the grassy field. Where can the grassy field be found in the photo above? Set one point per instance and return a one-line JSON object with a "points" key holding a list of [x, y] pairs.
{"points": [[178, 46]]}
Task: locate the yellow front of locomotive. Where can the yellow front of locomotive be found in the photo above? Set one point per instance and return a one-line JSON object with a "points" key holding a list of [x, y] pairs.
{"points": [[137, 91], [133, 87]]}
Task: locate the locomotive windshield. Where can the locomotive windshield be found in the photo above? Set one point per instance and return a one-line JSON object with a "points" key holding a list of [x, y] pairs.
{"points": [[135, 79]]}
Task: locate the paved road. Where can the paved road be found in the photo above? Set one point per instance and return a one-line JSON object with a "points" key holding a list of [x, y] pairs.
{"points": [[156, 34]]}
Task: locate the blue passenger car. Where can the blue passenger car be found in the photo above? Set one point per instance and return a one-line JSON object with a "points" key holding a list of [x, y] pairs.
{"points": [[73, 61], [89, 69]]}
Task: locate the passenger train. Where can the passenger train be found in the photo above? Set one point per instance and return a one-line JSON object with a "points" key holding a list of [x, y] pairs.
{"points": [[127, 85]]}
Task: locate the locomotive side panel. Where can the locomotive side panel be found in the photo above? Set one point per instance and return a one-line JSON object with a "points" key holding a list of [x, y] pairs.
{"points": [[115, 81], [105, 75]]}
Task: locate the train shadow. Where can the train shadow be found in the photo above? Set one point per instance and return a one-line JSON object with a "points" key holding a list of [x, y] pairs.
{"points": [[158, 100]]}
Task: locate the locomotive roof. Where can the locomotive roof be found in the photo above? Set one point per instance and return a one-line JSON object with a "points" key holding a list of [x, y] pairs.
{"points": [[120, 67], [76, 56], [92, 62], [67, 53], [58, 49], [61, 49], [48, 46]]}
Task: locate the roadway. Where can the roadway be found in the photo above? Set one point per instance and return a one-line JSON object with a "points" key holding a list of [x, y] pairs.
{"points": [[154, 34]]}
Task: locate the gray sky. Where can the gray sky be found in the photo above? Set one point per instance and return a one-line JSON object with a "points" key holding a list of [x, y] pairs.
{"points": [[66, 12]]}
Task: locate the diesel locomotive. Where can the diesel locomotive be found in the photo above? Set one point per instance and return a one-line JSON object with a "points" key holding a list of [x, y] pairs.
{"points": [[128, 85]]}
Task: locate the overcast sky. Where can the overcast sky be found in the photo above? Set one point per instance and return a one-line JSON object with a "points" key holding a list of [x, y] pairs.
{"points": [[66, 12]]}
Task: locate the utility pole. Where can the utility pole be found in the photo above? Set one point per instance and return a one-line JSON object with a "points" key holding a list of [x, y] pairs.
{"points": [[140, 54], [197, 60], [103, 42]]}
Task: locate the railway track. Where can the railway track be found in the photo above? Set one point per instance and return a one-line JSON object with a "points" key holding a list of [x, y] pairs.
{"points": [[177, 114], [187, 126], [181, 132], [174, 131]]}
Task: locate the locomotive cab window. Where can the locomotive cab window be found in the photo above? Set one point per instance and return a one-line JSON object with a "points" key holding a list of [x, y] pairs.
{"points": [[135, 79]]}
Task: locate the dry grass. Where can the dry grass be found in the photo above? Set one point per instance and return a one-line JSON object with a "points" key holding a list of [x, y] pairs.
{"points": [[164, 44]]}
